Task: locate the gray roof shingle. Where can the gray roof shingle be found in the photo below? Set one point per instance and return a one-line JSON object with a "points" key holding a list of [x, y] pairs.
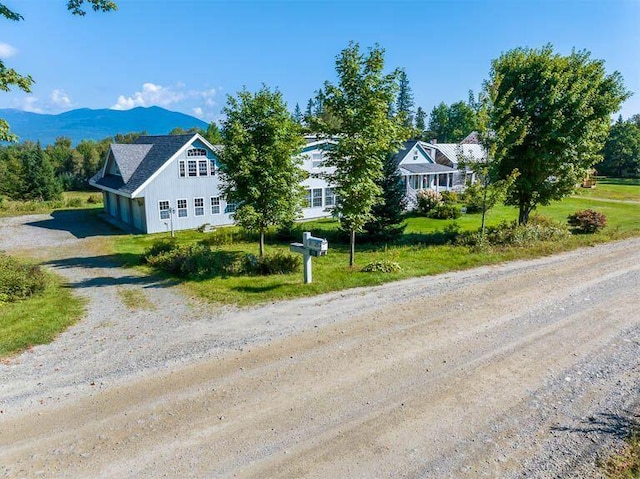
{"points": [[139, 160], [427, 168]]}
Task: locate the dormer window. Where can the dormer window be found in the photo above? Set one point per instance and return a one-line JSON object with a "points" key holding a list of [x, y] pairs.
{"points": [[196, 152]]}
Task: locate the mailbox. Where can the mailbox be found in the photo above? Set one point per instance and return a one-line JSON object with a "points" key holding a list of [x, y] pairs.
{"points": [[317, 246]]}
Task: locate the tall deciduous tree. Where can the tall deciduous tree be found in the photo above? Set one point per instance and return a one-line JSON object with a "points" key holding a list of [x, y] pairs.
{"points": [[260, 167], [622, 150], [450, 124], [10, 78], [404, 103], [365, 133], [550, 115]]}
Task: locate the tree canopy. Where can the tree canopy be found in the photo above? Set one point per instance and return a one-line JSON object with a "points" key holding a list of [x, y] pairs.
{"points": [[260, 169], [550, 116], [621, 154], [365, 133], [452, 123]]}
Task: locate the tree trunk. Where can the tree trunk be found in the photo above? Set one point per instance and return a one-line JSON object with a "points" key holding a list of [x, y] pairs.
{"points": [[523, 215], [352, 250], [262, 243]]}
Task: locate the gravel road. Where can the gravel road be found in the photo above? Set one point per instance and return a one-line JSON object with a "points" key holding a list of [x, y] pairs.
{"points": [[527, 369]]}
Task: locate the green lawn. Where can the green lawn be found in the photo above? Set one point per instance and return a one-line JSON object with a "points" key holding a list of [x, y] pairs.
{"points": [[39, 319], [417, 254], [614, 189]]}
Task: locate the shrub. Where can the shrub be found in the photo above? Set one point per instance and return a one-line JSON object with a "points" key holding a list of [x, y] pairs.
{"points": [[220, 237], [427, 200], [74, 202], [449, 197], [473, 198], [19, 280], [94, 199], [194, 261], [445, 211], [587, 221], [159, 247], [382, 266], [275, 263], [511, 234]]}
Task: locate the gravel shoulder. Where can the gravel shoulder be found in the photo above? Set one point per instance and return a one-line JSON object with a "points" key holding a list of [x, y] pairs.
{"points": [[527, 369]]}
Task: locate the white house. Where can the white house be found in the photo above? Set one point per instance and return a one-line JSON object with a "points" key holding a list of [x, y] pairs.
{"points": [[166, 182]]}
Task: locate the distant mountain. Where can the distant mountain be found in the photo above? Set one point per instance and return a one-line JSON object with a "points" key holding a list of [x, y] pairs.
{"points": [[87, 124]]}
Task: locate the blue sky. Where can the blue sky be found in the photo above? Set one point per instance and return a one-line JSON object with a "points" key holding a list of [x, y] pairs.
{"points": [[188, 55]]}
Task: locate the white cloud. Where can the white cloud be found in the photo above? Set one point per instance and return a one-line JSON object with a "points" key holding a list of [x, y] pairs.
{"points": [[28, 103], [59, 99], [197, 111], [6, 50], [151, 94]]}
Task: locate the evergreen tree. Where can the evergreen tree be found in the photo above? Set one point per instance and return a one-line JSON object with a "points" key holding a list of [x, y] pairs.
{"points": [[421, 116], [297, 115], [404, 103], [40, 182], [388, 216]]}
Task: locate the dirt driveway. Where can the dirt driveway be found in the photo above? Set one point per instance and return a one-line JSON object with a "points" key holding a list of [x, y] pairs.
{"points": [[528, 369]]}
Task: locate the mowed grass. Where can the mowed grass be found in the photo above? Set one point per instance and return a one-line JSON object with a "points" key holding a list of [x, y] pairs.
{"points": [[614, 189], [39, 319], [416, 253]]}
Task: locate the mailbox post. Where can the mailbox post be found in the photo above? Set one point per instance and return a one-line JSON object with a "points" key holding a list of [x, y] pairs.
{"points": [[310, 247]]}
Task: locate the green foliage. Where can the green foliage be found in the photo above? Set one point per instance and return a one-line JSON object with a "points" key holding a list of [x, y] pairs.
{"points": [[365, 133], [420, 124], [550, 115], [18, 280], [274, 263], [199, 261], [587, 221], [445, 211], [449, 197], [388, 215], [259, 169], [382, 266], [404, 102], [40, 183], [94, 199], [38, 319], [192, 261], [427, 200], [450, 124], [621, 154], [512, 234]]}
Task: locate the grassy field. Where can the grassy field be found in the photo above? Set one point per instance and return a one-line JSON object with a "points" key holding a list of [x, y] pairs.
{"points": [[70, 200], [38, 320], [418, 253]]}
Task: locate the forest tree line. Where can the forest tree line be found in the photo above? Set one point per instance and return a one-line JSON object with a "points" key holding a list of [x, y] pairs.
{"points": [[32, 172]]}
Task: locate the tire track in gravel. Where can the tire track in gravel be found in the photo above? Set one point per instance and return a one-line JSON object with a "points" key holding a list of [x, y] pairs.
{"points": [[460, 375]]}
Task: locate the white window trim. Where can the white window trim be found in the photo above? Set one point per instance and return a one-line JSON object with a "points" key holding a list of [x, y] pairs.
{"points": [[182, 167], [186, 208], [161, 210], [219, 205], [195, 208], [315, 197], [196, 150]]}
